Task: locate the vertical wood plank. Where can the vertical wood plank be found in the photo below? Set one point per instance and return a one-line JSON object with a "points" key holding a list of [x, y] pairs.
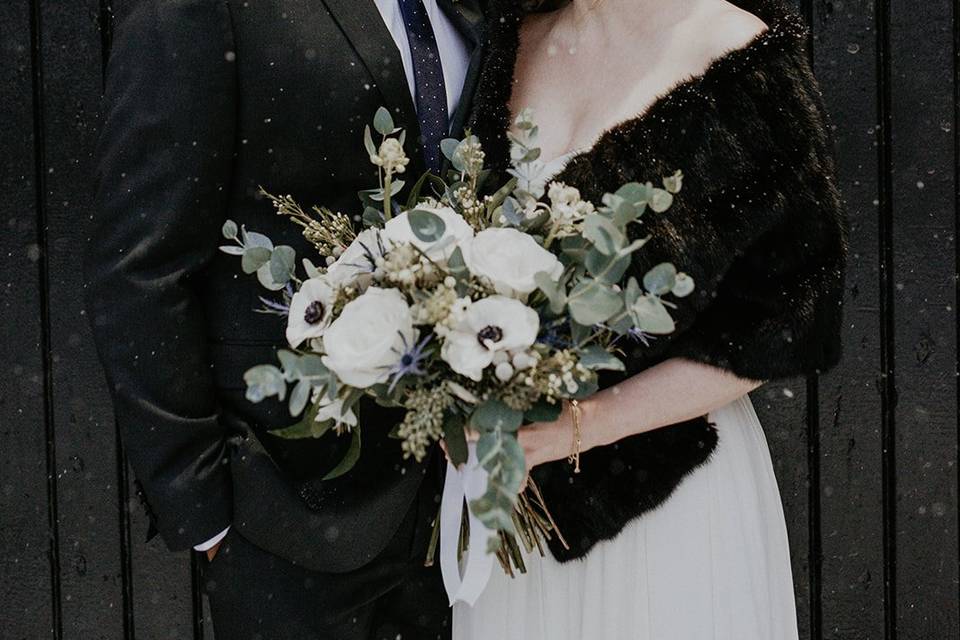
{"points": [[782, 410], [92, 600], [925, 271], [28, 560], [850, 491]]}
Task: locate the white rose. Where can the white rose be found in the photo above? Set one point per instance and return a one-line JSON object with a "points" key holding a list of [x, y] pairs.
{"points": [[490, 328], [510, 259], [368, 337], [456, 231], [310, 311], [358, 261]]}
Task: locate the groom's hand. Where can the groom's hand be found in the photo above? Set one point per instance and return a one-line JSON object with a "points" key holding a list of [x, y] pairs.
{"points": [[212, 551]]}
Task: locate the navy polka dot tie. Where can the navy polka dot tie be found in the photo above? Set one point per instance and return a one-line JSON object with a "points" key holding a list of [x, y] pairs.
{"points": [[431, 92]]}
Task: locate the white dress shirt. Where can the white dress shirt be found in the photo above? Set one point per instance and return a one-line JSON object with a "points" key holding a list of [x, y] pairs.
{"points": [[454, 58]]}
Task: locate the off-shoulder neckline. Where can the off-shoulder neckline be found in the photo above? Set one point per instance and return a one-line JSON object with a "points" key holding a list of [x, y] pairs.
{"points": [[784, 26]]}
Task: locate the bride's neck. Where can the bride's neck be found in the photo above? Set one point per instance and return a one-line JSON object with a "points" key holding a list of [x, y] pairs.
{"points": [[617, 16]]}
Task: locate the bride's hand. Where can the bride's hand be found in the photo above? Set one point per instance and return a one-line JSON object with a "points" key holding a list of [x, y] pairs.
{"points": [[547, 441]]}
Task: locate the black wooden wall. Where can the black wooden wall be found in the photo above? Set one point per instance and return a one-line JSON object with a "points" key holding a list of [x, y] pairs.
{"points": [[866, 456]]}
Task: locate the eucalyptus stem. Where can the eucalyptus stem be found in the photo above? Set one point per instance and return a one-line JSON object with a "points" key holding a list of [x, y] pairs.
{"points": [[387, 199]]}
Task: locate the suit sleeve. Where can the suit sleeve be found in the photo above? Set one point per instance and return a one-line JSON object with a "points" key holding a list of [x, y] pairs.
{"points": [[162, 171]]}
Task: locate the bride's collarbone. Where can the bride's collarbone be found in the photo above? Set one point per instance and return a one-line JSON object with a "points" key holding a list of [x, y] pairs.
{"points": [[577, 95]]}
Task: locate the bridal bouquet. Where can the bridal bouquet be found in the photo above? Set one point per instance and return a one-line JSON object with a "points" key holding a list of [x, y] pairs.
{"points": [[476, 313]]}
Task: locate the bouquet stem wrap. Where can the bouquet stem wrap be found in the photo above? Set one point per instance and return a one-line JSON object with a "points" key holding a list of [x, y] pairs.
{"points": [[467, 483]]}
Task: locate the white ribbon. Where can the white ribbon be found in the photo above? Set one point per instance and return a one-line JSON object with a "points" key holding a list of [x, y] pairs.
{"points": [[468, 482]]}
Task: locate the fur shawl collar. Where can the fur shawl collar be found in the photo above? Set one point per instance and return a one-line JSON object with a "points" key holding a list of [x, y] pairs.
{"points": [[759, 225]]}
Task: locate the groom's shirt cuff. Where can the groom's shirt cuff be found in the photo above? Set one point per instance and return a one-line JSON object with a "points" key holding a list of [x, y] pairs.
{"points": [[212, 541]]}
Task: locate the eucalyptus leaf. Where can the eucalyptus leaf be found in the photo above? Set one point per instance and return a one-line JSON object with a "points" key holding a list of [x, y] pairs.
{"points": [[383, 121], [283, 261], [609, 268], [368, 141], [511, 212], [575, 248], [232, 249], [674, 183], [456, 265], [254, 239], [592, 302], [543, 411], [265, 276], [427, 226], [660, 279], [586, 388], [372, 217], [349, 459], [254, 257], [650, 315], [596, 358], [661, 200], [229, 230], [579, 333], [552, 289], [290, 363], [603, 233], [264, 381], [448, 147], [683, 286], [631, 292], [494, 415], [299, 397]]}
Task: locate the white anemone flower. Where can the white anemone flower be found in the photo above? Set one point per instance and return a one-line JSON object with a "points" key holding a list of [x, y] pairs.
{"points": [[489, 330], [355, 266], [310, 311]]}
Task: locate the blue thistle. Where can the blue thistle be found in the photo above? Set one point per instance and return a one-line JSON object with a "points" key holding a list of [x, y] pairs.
{"points": [[411, 359]]}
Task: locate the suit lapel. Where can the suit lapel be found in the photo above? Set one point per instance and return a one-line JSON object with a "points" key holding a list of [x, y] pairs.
{"points": [[362, 24], [467, 17]]}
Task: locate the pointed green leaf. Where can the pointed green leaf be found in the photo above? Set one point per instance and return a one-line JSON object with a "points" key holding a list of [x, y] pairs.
{"points": [[349, 460]]}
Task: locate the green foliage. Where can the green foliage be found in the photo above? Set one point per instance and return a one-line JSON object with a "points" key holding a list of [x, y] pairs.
{"points": [[493, 415], [595, 357], [264, 381], [349, 459], [427, 226], [383, 122]]}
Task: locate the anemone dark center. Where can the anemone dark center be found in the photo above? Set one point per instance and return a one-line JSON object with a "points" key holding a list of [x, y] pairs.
{"points": [[406, 360], [314, 312], [491, 333]]}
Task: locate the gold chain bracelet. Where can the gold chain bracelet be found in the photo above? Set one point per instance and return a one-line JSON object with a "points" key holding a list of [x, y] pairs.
{"points": [[574, 457]]}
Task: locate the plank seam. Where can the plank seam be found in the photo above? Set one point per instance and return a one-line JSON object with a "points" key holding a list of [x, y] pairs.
{"points": [[956, 227], [887, 383], [43, 267]]}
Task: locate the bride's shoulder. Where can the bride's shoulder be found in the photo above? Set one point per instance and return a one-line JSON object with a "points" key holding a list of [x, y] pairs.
{"points": [[719, 27]]}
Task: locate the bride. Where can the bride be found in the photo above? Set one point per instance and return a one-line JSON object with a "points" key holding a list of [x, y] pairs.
{"points": [[631, 90]]}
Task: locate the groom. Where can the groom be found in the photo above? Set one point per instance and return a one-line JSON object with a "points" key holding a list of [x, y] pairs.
{"points": [[205, 100]]}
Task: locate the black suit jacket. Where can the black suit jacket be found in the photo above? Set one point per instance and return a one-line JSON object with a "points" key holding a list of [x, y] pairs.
{"points": [[204, 100]]}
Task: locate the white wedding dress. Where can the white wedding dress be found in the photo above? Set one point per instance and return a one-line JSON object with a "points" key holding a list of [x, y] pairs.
{"points": [[711, 563]]}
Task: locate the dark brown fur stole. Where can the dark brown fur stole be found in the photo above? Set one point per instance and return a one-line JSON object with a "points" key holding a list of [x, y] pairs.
{"points": [[759, 225]]}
